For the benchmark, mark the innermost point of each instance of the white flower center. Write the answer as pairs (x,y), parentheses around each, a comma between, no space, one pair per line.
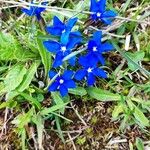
(63,48)
(64,31)
(98,14)
(61,81)
(89,70)
(94,49)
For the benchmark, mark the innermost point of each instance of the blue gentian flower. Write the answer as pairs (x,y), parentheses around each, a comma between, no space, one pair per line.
(89,70)
(35,10)
(63,30)
(98,8)
(61,50)
(96,47)
(62,83)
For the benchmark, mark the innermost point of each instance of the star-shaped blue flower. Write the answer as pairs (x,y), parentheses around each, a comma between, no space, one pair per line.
(35,10)
(61,50)
(96,47)
(98,8)
(62,83)
(64,47)
(90,70)
(64,30)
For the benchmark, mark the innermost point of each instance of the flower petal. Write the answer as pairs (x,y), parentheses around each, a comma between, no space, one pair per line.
(65,37)
(90,79)
(71,22)
(38,16)
(63,90)
(54,31)
(108,14)
(107,21)
(58,61)
(74,38)
(57,23)
(70,84)
(67,75)
(93,6)
(102,5)
(83,61)
(100,73)
(53,86)
(101,59)
(28,12)
(80,74)
(105,47)
(91,59)
(91,44)
(52,46)
(72,61)
(97,37)
(51,74)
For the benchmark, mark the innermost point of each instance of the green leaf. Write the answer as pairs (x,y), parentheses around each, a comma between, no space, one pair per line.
(14,77)
(40,130)
(2,88)
(23,119)
(59,128)
(137,57)
(139,144)
(11,49)
(102,95)
(78,91)
(126,5)
(117,110)
(46,111)
(138,114)
(129,59)
(23,139)
(31,99)
(58,100)
(9,104)
(28,77)
(130,104)
(45,56)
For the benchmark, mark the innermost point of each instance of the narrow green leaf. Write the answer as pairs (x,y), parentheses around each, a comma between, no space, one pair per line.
(126,5)
(23,139)
(28,77)
(59,129)
(138,114)
(31,99)
(14,77)
(60,116)
(137,57)
(45,56)
(128,58)
(117,110)
(139,144)
(40,130)
(46,111)
(78,91)
(102,95)
(11,49)
(58,100)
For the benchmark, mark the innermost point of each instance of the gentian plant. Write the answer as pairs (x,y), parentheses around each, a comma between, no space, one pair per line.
(68,41)
(69,44)
(35,10)
(99,12)
(63,82)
